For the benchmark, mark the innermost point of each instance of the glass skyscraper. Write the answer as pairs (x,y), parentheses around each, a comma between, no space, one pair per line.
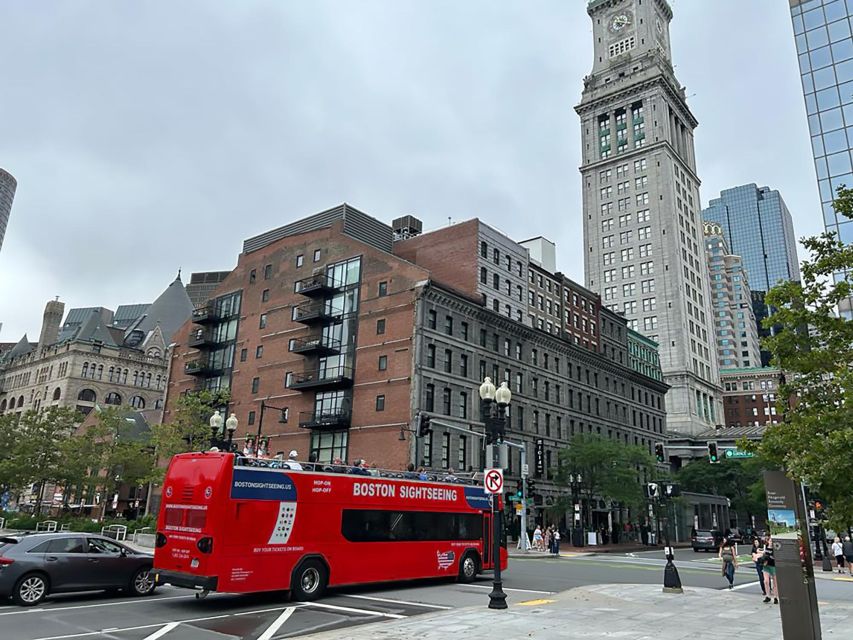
(822,29)
(757,226)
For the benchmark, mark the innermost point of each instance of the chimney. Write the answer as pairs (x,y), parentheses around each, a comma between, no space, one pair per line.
(51,321)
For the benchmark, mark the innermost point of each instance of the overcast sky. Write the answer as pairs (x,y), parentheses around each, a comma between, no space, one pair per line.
(152,136)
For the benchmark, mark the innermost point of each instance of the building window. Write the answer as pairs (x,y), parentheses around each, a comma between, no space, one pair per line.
(431,319)
(380,326)
(484,275)
(256,384)
(484,250)
(430,359)
(446,400)
(300,259)
(262,322)
(383,363)
(267,272)
(464,330)
(448,361)
(380,403)
(259,351)
(448,325)
(317,254)
(251,419)
(265,295)
(429,401)
(463,365)
(463,453)
(383,289)
(496,281)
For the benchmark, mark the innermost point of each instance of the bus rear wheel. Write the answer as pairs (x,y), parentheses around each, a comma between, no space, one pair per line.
(469,567)
(309,580)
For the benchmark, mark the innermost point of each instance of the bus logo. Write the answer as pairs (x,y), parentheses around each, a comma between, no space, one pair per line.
(445,559)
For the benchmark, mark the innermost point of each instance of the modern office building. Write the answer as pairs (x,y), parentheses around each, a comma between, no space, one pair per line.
(8,184)
(345,333)
(734,321)
(822,30)
(643,246)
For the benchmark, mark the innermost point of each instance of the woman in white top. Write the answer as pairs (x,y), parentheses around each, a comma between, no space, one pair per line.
(537,538)
(838,552)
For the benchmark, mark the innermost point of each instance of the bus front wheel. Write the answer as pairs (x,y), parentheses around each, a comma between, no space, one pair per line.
(309,580)
(469,567)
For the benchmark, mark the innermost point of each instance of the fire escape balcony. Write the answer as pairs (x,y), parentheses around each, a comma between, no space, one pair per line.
(206,314)
(325,419)
(316,313)
(316,345)
(318,285)
(322,378)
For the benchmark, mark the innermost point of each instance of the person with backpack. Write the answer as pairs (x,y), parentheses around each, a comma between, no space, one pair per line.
(729,557)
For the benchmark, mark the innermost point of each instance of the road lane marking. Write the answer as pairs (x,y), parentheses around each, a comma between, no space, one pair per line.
(270,630)
(160,632)
(482,586)
(745,585)
(89,606)
(533,603)
(393,601)
(369,612)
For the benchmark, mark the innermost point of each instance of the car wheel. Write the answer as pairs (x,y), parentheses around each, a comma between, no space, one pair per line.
(30,590)
(309,580)
(468,567)
(142,583)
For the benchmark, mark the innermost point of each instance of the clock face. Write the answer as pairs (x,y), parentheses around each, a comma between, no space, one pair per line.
(620,22)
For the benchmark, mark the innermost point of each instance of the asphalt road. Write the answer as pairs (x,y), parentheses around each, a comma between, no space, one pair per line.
(175,614)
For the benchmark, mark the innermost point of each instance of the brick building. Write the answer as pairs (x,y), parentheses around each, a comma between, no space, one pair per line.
(749,396)
(348,332)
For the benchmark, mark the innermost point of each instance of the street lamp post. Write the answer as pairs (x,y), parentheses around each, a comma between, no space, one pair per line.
(217,434)
(494,404)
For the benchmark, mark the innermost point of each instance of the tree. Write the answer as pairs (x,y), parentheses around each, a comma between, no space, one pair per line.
(738,480)
(814,347)
(190,430)
(609,470)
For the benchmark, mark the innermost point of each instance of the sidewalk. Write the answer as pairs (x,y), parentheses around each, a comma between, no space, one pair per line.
(626,547)
(632,612)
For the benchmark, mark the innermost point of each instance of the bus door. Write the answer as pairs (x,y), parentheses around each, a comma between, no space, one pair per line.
(488,531)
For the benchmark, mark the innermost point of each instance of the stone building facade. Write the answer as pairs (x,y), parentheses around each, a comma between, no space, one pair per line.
(643,246)
(345,337)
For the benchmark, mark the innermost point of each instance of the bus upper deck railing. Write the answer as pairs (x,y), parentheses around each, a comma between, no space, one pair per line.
(471,479)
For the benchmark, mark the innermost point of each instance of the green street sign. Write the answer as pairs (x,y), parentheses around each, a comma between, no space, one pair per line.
(736,454)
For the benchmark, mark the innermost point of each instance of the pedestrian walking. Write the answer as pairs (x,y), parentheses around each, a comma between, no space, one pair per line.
(769,571)
(757,559)
(555,542)
(838,552)
(537,538)
(546,539)
(847,548)
(728,555)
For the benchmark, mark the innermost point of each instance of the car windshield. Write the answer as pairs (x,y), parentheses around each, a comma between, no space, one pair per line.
(704,533)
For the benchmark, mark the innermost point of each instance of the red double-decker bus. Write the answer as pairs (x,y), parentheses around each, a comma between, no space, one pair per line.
(240,525)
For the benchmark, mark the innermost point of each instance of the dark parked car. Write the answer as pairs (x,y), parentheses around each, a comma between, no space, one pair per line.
(705,540)
(33,566)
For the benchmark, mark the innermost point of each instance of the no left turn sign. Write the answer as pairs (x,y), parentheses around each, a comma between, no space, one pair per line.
(493,481)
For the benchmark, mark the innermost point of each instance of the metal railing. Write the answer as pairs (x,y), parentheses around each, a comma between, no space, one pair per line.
(48,526)
(115,531)
(321,376)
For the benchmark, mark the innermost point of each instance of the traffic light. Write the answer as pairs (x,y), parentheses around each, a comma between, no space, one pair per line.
(712,453)
(423,428)
(660,456)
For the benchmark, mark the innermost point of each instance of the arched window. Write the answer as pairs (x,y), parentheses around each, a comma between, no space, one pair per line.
(3,405)
(87,395)
(154,352)
(158,382)
(100,372)
(20,402)
(158,403)
(112,370)
(135,378)
(148,380)
(137,402)
(56,394)
(124,377)
(85,371)
(112,398)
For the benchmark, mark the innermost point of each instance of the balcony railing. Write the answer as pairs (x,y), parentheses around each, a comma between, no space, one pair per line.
(200,367)
(201,338)
(325,377)
(205,314)
(315,313)
(317,285)
(328,419)
(318,345)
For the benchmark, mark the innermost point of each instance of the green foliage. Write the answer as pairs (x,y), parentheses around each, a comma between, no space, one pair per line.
(190,430)
(814,347)
(609,470)
(26,522)
(739,480)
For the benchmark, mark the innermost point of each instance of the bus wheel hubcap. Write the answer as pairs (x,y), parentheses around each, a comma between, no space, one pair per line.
(468,566)
(32,589)
(310,580)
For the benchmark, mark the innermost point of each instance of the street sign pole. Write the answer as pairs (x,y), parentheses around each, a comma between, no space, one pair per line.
(493,483)
(522,530)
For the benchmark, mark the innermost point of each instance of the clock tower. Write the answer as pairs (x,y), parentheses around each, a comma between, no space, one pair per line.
(643,243)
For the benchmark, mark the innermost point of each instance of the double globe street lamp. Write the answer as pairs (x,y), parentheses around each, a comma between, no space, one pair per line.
(494,404)
(217,434)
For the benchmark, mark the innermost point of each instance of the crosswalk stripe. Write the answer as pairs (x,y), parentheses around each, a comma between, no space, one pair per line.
(270,630)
